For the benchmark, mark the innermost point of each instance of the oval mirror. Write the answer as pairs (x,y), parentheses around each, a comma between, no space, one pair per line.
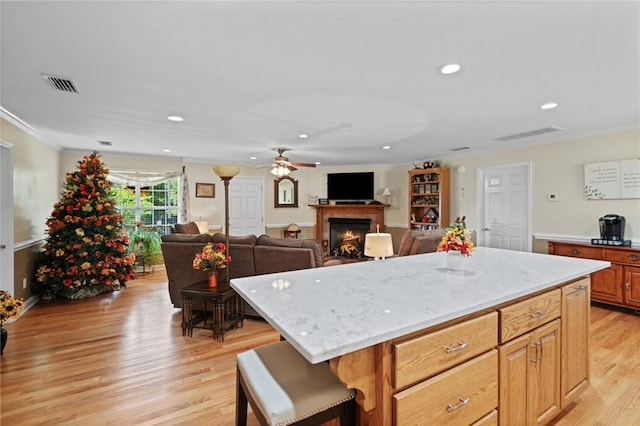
(286,192)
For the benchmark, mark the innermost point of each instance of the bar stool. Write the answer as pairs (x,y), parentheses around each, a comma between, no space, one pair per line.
(283,388)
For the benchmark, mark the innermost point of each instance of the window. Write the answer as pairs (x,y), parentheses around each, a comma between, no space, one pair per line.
(154,205)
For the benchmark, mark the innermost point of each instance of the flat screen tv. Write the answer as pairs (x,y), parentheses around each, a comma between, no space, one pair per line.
(355,186)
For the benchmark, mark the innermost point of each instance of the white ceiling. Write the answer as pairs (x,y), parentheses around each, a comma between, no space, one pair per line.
(249,76)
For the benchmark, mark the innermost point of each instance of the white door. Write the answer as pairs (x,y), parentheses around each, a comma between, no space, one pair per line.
(246,205)
(6,217)
(504,194)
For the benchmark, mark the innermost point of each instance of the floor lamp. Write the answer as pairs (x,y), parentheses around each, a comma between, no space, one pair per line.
(226,173)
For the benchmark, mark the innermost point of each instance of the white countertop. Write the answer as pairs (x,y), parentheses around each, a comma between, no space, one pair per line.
(330,311)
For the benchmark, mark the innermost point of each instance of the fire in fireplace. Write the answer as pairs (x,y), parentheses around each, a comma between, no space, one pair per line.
(346,236)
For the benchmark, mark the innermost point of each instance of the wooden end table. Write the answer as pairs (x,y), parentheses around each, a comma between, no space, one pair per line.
(222,309)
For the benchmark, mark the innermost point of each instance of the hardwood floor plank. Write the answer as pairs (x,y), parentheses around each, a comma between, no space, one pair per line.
(121,359)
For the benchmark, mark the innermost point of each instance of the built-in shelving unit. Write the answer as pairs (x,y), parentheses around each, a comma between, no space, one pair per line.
(429,198)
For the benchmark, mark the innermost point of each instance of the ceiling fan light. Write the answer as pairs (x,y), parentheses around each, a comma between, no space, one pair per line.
(280,171)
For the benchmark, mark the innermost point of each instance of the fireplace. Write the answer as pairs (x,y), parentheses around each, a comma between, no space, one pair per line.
(346,236)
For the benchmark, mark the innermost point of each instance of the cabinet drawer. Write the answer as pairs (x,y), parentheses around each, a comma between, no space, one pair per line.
(490,419)
(459,396)
(577,251)
(630,257)
(424,356)
(524,316)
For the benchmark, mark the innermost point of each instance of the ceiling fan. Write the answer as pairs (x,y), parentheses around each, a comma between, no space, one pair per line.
(282,166)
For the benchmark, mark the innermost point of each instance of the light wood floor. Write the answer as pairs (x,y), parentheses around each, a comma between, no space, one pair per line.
(120,359)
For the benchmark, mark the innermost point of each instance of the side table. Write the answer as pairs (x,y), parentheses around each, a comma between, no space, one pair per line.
(221,309)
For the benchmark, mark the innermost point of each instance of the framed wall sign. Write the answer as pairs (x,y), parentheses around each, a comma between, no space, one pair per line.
(205,190)
(612,180)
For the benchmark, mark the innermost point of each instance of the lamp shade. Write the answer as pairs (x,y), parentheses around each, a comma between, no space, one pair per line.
(226,170)
(378,245)
(386,191)
(203,226)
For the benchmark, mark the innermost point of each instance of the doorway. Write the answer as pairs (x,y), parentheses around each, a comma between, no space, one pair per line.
(246,205)
(504,206)
(6,216)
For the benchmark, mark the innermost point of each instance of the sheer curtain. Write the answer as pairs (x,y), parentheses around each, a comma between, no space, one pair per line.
(154,178)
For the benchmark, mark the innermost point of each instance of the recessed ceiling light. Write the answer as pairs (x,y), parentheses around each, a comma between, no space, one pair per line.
(386,147)
(175,118)
(549,105)
(303,136)
(449,69)
(253,158)
(166,150)
(317,163)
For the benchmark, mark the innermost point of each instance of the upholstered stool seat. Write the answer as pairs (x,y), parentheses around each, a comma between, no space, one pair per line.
(283,388)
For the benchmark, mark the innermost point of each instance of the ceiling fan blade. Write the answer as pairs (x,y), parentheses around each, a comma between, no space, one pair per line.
(293,169)
(303,164)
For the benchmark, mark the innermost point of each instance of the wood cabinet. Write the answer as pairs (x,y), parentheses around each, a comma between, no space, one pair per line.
(620,283)
(429,198)
(530,377)
(575,340)
(449,376)
(518,363)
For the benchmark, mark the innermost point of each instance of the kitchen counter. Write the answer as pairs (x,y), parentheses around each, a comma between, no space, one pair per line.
(332,311)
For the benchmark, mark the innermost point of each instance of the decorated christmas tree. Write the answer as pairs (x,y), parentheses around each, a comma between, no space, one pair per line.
(86,252)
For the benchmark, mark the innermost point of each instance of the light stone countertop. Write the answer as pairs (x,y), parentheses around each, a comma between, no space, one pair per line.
(330,311)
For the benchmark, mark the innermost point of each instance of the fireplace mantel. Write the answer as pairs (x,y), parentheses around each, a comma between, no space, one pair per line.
(324,211)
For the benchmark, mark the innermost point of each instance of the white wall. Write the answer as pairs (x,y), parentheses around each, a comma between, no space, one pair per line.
(557,168)
(312,182)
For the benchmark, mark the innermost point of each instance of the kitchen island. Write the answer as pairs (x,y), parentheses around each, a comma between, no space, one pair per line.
(376,323)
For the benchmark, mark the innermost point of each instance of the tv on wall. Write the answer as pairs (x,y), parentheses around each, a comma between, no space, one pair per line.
(355,186)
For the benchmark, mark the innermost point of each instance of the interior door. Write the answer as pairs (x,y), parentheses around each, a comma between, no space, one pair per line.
(246,205)
(6,217)
(505,207)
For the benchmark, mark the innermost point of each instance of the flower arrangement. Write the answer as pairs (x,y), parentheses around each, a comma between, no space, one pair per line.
(213,257)
(457,238)
(9,306)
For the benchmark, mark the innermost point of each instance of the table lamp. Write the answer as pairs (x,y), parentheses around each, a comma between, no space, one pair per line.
(386,193)
(378,245)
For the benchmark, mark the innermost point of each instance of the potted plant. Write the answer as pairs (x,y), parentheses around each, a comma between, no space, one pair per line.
(146,244)
(9,308)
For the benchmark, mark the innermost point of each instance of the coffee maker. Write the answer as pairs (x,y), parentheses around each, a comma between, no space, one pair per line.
(611,231)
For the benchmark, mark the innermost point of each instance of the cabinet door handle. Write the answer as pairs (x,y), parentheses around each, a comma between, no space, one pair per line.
(534,358)
(575,252)
(460,346)
(627,286)
(462,402)
(634,257)
(537,314)
(541,349)
(580,287)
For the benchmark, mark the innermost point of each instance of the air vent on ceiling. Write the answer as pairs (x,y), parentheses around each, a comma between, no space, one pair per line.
(529,134)
(105,143)
(460,148)
(63,84)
